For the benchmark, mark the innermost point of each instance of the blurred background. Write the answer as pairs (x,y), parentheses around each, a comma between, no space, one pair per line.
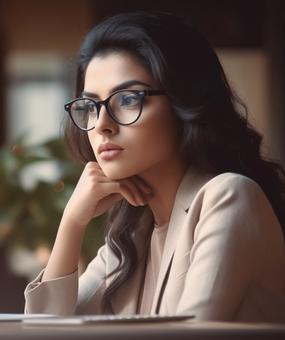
(39,41)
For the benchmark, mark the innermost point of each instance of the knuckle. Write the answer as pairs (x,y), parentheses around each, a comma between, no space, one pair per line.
(90,169)
(89,165)
(119,185)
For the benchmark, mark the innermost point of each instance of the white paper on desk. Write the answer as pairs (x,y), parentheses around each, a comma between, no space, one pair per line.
(84,319)
(20,317)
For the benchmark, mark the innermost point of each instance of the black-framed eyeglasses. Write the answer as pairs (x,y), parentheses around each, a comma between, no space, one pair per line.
(123,106)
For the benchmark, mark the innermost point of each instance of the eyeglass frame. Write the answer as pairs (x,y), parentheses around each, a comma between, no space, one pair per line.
(105,102)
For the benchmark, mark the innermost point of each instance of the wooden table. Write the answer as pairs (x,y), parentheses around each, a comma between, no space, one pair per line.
(139,331)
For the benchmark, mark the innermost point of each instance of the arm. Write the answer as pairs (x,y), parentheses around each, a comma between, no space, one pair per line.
(55,291)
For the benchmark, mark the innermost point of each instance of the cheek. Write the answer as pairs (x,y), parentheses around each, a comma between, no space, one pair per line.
(156,139)
(164,144)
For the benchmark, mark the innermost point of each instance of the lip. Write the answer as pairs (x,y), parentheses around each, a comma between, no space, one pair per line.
(108,150)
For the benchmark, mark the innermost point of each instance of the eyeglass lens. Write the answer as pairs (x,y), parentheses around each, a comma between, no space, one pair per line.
(124,107)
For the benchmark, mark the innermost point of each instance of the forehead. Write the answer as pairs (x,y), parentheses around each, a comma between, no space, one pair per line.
(107,71)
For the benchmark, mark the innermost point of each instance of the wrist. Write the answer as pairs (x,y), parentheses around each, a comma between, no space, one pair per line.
(68,221)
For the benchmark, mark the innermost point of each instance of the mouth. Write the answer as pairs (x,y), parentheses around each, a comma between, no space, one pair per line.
(108,151)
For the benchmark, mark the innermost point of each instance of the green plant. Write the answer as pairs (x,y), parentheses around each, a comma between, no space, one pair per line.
(29,216)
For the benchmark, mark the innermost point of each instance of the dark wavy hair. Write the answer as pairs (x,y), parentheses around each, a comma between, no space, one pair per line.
(215,133)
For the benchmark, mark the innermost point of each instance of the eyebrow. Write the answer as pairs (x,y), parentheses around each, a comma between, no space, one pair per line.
(121,86)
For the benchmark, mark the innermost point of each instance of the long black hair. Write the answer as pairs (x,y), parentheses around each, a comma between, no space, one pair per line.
(215,133)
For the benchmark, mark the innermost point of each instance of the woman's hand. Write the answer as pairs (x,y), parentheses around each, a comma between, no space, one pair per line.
(92,196)
(95,193)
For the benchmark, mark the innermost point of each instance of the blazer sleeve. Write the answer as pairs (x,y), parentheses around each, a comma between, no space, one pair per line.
(68,295)
(235,222)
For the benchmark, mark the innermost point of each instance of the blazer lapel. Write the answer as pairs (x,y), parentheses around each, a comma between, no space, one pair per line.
(176,219)
(189,186)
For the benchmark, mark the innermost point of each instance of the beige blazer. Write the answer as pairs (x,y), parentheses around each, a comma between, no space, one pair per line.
(223,259)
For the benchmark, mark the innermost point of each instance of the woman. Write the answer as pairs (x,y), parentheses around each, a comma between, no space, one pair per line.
(195,215)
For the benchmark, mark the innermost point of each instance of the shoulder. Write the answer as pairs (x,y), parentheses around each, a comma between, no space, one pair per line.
(233,192)
(234,206)
(231,178)
(231,183)
(202,186)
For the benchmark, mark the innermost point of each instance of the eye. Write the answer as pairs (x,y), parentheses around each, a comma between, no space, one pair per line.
(90,107)
(83,106)
(128,99)
(78,107)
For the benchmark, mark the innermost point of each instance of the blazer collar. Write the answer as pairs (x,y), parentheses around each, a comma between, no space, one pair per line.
(190,184)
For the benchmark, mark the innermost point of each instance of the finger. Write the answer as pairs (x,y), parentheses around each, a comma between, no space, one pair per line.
(142,185)
(95,173)
(120,188)
(117,197)
(103,179)
(107,202)
(94,165)
(135,190)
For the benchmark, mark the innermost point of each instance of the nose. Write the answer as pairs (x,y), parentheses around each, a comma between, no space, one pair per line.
(104,123)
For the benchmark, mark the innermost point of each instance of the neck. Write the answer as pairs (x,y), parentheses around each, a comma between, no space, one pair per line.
(164,181)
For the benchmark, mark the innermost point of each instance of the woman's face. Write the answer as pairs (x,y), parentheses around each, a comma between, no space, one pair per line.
(150,143)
